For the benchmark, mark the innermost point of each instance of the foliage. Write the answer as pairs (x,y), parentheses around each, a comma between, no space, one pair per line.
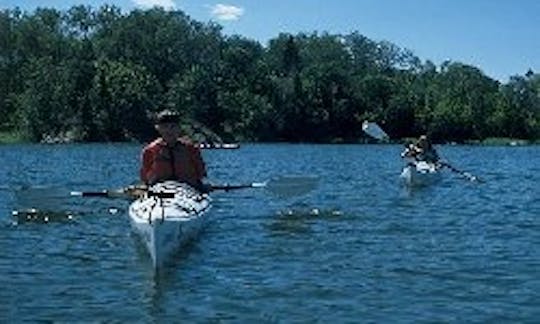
(100,74)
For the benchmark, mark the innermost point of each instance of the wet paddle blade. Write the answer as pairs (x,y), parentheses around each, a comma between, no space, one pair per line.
(291,186)
(373,130)
(41,197)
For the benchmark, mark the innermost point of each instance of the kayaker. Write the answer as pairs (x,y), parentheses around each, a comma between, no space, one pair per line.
(422,150)
(171,157)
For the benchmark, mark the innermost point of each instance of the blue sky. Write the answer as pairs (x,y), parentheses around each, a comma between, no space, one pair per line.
(501,37)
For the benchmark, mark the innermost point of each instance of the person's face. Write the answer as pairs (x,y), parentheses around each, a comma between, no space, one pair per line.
(169,131)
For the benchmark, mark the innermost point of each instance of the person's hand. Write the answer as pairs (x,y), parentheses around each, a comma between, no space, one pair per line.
(136,190)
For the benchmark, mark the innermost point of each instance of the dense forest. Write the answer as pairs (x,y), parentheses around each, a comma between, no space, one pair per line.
(99,75)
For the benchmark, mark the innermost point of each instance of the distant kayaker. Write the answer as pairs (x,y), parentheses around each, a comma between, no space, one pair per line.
(422,150)
(171,157)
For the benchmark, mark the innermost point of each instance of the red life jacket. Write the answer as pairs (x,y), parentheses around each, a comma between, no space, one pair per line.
(181,162)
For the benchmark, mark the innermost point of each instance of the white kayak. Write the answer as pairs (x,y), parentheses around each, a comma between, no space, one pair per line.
(420,173)
(167,217)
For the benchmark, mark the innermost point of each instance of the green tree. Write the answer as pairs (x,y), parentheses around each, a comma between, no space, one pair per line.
(43,107)
(124,95)
(518,113)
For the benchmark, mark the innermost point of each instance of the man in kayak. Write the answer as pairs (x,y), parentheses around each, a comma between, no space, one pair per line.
(422,150)
(171,157)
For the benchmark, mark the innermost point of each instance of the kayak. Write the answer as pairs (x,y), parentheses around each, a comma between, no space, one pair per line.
(167,217)
(420,173)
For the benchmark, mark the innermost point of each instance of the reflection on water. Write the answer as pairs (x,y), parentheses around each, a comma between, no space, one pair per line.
(299,219)
(36,216)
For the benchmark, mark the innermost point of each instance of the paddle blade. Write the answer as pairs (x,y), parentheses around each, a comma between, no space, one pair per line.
(373,130)
(285,186)
(291,186)
(42,197)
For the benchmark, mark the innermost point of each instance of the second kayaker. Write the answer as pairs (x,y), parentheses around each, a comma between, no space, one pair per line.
(422,150)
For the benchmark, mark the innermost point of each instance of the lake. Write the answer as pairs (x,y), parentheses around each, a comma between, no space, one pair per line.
(360,247)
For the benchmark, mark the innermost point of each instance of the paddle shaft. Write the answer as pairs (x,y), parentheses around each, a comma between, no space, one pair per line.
(235,187)
(104,193)
(122,194)
(467,175)
(281,186)
(127,194)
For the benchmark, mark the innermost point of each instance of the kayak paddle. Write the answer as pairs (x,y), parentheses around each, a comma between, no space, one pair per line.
(285,186)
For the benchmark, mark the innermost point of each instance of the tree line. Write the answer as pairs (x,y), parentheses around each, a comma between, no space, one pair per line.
(100,74)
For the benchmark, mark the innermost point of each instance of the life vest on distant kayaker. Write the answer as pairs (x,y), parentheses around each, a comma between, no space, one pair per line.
(181,162)
(429,155)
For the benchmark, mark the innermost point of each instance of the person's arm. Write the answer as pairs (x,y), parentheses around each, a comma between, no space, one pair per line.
(146,165)
(409,152)
(405,153)
(436,156)
(198,162)
(200,169)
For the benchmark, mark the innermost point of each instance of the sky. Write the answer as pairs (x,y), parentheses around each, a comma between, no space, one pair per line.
(501,37)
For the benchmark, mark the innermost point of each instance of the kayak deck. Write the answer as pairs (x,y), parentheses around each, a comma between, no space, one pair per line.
(420,173)
(167,224)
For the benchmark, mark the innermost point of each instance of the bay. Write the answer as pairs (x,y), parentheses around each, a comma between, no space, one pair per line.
(359,248)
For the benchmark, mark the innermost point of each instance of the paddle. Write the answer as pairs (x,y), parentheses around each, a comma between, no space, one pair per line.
(284,186)
(464,174)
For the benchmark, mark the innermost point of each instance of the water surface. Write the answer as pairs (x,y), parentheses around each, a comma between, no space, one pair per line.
(358,248)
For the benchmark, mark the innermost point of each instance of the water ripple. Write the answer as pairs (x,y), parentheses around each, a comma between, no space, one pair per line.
(360,247)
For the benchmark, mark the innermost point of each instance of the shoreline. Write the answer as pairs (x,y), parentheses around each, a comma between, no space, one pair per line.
(7,138)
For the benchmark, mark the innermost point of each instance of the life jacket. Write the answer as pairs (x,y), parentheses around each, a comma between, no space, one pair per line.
(429,155)
(181,162)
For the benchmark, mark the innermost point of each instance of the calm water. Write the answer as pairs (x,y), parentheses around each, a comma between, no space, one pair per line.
(359,248)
